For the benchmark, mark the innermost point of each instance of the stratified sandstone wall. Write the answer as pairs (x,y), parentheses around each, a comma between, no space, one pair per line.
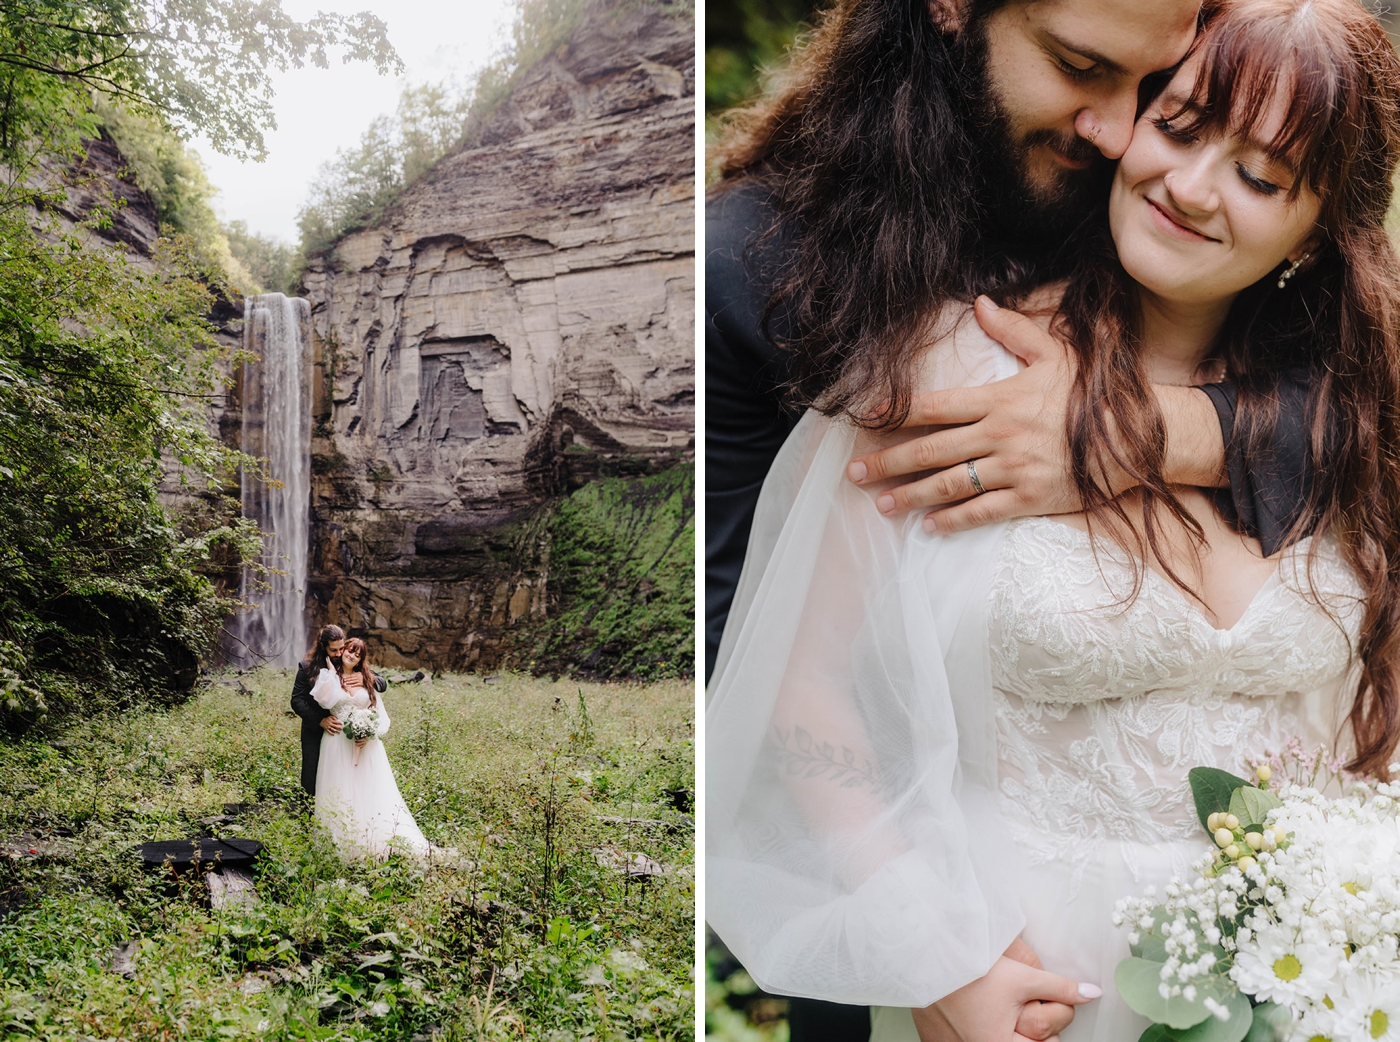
(521,322)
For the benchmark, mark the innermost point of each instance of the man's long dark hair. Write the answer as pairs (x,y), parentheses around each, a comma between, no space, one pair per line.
(873,153)
(321,651)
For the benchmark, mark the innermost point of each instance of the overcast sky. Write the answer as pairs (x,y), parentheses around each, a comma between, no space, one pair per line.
(320,110)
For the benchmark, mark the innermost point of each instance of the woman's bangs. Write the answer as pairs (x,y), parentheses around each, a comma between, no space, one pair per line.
(1250,65)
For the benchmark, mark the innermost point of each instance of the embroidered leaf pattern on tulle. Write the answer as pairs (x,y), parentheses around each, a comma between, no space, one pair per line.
(799,755)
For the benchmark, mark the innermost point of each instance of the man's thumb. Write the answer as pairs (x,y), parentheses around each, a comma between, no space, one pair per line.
(1012,330)
(1051,987)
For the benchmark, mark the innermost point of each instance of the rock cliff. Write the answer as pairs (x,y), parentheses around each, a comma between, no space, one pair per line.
(520,324)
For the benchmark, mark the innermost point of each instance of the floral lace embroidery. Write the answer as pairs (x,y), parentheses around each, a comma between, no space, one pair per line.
(1102,708)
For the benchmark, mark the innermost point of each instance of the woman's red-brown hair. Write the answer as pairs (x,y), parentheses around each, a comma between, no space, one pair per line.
(1335,325)
(356,646)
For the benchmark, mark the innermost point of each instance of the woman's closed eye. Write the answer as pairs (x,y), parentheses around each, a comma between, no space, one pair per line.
(1168,129)
(1257,183)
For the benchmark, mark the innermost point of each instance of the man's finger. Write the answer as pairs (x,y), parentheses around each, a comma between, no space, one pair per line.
(955,405)
(952,485)
(930,452)
(1041,1020)
(1015,332)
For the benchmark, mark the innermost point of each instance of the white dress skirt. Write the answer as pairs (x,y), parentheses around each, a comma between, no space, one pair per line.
(919,747)
(359,804)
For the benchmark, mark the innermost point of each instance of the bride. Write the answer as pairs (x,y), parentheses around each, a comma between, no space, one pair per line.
(359,803)
(932,756)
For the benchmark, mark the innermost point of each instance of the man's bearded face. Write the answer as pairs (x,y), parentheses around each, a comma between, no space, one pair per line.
(1054,89)
(1029,195)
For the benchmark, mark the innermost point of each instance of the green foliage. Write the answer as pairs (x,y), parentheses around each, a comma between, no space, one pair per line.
(268,261)
(1138,980)
(622,572)
(356,950)
(1252,806)
(172,174)
(1212,789)
(199,65)
(104,369)
(744,37)
(354,189)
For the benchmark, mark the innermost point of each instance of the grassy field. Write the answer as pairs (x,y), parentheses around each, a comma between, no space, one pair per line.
(544,787)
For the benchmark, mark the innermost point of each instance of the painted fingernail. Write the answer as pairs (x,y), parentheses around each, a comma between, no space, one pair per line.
(885,503)
(1091,991)
(930,525)
(856,472)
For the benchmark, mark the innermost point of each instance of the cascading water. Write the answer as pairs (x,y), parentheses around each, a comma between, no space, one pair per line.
(276,425)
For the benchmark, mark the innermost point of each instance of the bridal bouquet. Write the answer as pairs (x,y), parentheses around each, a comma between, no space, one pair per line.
(360,723)
(1291,930)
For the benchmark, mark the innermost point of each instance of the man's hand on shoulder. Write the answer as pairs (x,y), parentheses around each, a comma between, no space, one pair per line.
(1013,431)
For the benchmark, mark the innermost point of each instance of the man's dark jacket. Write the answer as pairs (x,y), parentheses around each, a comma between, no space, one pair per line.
(311,715)
(747,419)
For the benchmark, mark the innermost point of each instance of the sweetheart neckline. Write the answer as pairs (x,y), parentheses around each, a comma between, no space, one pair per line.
(1271,582)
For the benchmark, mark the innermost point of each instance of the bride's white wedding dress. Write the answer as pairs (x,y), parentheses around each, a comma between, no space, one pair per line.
(920,747)
(359,805)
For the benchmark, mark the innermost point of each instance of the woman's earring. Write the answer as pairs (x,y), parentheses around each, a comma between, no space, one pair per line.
(1292,269)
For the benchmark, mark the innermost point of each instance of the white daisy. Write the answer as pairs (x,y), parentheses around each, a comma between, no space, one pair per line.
(1277,964)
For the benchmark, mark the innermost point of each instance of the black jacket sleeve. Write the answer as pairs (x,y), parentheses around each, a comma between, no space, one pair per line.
(303,704)
(746,418)
(380,684)
(1269,484)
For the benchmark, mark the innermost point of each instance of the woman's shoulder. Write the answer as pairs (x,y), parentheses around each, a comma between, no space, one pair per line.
(957,352)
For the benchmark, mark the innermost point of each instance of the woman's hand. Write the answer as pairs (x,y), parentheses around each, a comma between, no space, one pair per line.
(361,743)
(1015,1002)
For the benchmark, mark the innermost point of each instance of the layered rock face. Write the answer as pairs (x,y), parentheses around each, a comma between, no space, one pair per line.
(521,323)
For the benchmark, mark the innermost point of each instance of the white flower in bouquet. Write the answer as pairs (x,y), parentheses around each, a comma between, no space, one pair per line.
(359,724)
(1292,929)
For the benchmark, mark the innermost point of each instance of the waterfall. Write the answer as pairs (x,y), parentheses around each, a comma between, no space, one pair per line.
(276,402)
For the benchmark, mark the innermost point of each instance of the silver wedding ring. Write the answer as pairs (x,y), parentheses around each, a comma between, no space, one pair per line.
(976,481)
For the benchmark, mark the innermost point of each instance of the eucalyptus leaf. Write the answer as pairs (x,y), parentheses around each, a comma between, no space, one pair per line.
(1212,788)
(1271,1023)
(1152,946)
(1156,1033)
(1213,1029)
(1138,980)
(1252,805)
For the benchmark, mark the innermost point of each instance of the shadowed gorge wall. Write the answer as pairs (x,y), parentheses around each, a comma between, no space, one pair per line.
(518,328)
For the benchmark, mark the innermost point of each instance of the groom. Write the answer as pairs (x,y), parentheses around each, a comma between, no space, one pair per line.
(920,151)
(314,719)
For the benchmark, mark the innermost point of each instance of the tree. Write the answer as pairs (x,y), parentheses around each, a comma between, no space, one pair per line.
(201,65)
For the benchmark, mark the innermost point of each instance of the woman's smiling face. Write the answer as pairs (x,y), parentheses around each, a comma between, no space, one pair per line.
(1196,219)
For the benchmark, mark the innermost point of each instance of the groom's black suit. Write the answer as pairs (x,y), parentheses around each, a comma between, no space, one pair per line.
(311,715)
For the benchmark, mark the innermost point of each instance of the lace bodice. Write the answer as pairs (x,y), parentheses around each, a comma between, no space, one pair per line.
(1102,707)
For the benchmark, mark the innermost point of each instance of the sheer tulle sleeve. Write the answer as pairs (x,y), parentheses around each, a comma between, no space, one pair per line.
(854,851)
(382,724)
(327,690)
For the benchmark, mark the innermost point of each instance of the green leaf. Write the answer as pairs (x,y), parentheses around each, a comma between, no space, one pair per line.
(1214,1030)
(1156,1033)
(1152,946)
(1138,980)
(1271,1023)
(1212,788)
(1252,805)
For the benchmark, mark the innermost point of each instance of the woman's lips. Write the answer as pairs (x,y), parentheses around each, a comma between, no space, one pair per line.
(1173,227)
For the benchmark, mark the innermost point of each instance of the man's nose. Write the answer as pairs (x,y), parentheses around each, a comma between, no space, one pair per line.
(1108,125)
